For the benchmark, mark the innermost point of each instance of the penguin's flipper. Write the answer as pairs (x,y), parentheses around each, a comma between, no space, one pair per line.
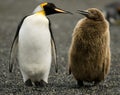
(54,55)
(13,54)
(53,48)
(107,62)
(14,47)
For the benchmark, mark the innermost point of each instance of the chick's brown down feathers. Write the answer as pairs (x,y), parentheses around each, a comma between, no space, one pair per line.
(89,53)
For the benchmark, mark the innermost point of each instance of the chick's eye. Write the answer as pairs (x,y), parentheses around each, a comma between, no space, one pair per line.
(95,13)
(92,12)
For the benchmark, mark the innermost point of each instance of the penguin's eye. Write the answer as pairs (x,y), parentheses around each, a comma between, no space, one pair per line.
(94,12)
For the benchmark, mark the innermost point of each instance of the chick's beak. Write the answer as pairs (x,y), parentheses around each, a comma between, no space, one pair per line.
(85,13)
(62,11)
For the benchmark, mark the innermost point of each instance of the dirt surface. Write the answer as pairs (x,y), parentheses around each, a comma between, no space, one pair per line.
(12,11)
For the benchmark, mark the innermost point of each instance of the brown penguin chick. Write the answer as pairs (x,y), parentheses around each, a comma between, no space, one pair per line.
(89,54)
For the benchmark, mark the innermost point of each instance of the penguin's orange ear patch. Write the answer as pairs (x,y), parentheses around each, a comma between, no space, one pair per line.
(41,13)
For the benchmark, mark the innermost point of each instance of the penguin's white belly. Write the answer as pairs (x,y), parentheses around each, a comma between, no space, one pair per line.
(35,49)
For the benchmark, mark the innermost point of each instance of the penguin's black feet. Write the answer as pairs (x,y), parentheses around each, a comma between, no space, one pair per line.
(28,82)
(40,83)
(80,83)
(97,81)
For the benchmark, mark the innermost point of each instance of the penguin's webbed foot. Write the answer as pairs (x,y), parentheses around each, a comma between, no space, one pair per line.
(28,82)
(40,83)
(97,81)
(80,83)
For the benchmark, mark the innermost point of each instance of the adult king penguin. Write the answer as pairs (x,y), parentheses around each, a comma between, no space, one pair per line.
(35,44)
(89,54)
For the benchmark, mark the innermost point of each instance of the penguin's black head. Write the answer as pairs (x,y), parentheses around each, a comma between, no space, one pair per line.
(93,14)
(50,8)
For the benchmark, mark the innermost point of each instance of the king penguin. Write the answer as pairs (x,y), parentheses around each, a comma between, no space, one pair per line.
(89,53)
(34,45)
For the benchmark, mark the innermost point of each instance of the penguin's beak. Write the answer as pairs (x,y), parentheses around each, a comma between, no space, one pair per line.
(58,10)
(85,13)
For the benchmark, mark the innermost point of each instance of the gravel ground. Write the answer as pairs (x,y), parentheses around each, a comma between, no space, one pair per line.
(11,12)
